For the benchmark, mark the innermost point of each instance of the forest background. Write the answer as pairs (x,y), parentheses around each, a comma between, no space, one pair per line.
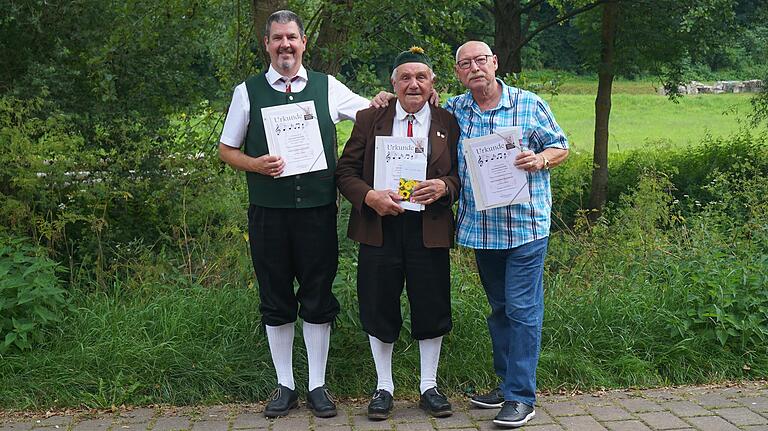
(124,268)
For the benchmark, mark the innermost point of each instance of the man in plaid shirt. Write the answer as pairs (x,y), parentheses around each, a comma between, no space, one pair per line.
(510,242)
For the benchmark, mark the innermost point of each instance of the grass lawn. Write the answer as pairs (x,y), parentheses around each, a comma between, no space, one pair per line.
(638,120)
(588,86)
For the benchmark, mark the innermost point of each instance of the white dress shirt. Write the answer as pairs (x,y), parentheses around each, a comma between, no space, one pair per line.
(420,125)
(343,104)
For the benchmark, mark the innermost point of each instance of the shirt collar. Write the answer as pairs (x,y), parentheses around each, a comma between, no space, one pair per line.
(504,102)
(421,116)
(273,76)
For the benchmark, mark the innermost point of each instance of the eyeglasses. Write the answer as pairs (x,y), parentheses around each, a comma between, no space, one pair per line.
(479,60)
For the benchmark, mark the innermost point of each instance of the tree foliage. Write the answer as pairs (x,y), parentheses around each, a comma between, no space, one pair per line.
(107,106)
(107,59)
(382,30)
(662,37)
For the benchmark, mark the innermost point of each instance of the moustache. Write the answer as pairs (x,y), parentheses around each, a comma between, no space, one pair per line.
(286,51)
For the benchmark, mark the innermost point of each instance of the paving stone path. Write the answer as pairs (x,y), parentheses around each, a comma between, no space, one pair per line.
(706,408)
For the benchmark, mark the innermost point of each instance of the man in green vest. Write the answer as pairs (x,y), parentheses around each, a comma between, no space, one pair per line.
(291,219)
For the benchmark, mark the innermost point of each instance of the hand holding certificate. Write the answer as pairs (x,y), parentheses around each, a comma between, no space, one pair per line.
(400,164)
(293,133)
(495,180)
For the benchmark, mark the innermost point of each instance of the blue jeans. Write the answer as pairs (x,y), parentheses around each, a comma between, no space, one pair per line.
(514,283)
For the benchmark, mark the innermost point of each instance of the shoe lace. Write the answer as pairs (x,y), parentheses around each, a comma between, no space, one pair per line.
(513,405)
(328,394)
(376,394)
(275,394)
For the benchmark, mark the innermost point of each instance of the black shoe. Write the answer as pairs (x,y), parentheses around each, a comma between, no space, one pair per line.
(321,403)
(514,414)
(281,402)
(491,400)
(381,404)
(435,403)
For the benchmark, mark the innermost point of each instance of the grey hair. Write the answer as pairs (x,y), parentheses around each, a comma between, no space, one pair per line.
(284,17)
(473,41)
(394,73)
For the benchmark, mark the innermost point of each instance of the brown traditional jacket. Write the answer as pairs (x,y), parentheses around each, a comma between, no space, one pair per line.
(354,175)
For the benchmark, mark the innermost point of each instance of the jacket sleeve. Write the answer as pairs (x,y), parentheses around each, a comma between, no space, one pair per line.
(349,169)
(451,179)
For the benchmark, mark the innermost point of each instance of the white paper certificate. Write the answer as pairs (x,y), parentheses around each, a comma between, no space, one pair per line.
(495,180)
(293,133)
(399,164)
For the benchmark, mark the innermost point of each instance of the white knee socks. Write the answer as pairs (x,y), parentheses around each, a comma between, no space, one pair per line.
(317,338)
(281,347)
(430,356)
(382,357)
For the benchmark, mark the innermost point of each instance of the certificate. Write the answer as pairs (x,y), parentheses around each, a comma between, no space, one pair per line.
(400,164)
(293,133)
(495,180)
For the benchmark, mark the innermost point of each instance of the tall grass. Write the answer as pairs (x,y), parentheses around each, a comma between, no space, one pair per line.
(661,292)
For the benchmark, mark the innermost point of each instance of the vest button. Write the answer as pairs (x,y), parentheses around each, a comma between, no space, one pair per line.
(298,199)
(298,187)
(298,177)
(290,97)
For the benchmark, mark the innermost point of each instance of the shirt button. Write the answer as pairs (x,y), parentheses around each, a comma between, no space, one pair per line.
(298,187)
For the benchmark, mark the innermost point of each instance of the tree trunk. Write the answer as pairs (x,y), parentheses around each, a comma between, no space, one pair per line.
(261,10)
(599,191)
(331,38)
(508,35)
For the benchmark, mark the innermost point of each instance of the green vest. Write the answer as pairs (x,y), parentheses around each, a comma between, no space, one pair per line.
(298,191)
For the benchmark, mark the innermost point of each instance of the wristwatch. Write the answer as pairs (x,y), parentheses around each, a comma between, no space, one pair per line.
(546,162)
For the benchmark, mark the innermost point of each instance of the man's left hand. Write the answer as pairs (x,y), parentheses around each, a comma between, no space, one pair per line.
(382,99)
(429,191)
(529,161)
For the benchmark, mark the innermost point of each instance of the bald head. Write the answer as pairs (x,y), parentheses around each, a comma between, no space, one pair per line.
(476,68)
(476,46)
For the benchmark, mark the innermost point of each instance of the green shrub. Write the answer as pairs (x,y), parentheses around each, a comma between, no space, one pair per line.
(30,296)
(692,171)
(90,196)
(663,290)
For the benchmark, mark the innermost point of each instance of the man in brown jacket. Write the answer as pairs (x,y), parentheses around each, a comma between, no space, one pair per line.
(398,246)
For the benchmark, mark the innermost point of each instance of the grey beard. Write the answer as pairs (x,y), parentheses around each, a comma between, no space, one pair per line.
(286,65)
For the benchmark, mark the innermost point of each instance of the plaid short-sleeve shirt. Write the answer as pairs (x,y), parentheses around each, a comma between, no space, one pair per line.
(512,225)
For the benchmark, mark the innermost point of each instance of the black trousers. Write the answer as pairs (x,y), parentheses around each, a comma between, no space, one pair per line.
(381,272)
(294,243)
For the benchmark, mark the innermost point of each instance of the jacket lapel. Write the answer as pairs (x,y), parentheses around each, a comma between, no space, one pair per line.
(437,137)
(382,123)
